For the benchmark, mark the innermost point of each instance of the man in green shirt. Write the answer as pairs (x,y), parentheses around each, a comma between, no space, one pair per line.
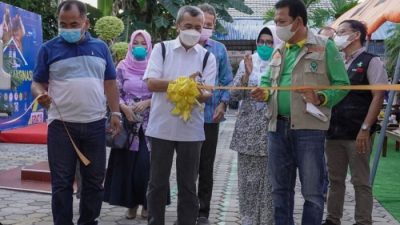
(296,137)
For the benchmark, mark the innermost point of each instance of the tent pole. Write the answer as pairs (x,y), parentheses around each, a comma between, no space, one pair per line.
(382,134)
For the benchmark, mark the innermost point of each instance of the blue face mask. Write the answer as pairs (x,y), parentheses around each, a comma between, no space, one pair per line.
(139,52)
(264,52)
(70,35)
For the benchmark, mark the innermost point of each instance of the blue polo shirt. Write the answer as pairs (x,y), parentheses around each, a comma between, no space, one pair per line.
(75,74)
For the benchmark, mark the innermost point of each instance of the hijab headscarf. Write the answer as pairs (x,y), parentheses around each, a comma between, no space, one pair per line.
(261,66)
(277,41)
(132,66)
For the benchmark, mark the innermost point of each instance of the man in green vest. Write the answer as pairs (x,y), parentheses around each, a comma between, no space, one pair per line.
(299,119)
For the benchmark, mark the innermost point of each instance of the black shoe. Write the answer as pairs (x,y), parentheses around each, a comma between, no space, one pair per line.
(328,222)
(203,221)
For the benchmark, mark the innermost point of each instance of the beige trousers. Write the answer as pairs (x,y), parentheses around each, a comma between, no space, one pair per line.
(340,155)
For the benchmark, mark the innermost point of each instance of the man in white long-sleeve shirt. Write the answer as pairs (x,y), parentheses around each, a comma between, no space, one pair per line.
(170,60)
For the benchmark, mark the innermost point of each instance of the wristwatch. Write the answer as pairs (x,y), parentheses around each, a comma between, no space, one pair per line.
(118,114)
(365,127)
(321,99)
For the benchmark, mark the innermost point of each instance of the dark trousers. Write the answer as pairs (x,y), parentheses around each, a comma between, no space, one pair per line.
(90,139)
(187,166)
(206,168)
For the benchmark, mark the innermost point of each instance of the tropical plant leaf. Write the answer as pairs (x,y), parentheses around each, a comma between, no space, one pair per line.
(392,45)
(142,3)
(171,6)
(224,15)
(159,15)
(93,14)
(344,8)
(161,21)
(240,6)
(179,2)
(219,28)
(269,15)
(308,3)
(319,17)
(105,6)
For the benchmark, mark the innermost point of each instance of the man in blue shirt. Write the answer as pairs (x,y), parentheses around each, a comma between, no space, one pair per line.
(73,76)
(213,112)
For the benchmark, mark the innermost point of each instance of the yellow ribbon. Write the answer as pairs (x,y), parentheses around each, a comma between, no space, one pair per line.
(183,92)
(82,157)
(376,87)
(23,114)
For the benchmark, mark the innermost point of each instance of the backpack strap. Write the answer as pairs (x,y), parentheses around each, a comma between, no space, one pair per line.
(163,50)
(205,60)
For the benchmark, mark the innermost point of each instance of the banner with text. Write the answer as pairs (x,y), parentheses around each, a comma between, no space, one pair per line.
(21,36)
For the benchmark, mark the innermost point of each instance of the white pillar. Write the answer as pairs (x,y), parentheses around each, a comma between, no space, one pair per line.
(5,78)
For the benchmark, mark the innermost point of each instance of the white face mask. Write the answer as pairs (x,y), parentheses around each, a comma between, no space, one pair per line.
(342,41)
(285,33)
(189,37)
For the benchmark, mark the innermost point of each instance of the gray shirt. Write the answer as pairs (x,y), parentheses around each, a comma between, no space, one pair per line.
(376,72)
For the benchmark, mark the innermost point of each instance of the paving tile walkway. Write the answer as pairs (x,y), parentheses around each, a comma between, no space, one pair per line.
(22,208)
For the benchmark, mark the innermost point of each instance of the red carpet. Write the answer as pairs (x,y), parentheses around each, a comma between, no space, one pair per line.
(33,134)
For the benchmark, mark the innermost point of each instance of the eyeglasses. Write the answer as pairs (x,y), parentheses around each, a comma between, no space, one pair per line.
(343,32)
(266,42)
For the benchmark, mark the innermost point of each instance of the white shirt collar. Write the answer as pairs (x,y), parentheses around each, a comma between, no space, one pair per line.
(177,44)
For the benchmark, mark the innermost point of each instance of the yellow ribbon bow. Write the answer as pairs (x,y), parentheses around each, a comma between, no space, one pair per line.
(183,92)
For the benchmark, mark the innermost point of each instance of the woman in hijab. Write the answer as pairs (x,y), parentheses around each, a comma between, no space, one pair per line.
(128,169)
(250,136)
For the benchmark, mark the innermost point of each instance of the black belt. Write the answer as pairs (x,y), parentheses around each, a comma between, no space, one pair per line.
(285,118)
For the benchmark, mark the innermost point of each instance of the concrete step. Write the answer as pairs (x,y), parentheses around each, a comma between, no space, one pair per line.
(36,172)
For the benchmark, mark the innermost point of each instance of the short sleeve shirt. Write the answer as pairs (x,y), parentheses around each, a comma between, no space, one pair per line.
(376,73)
(178,62)
(75,74)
